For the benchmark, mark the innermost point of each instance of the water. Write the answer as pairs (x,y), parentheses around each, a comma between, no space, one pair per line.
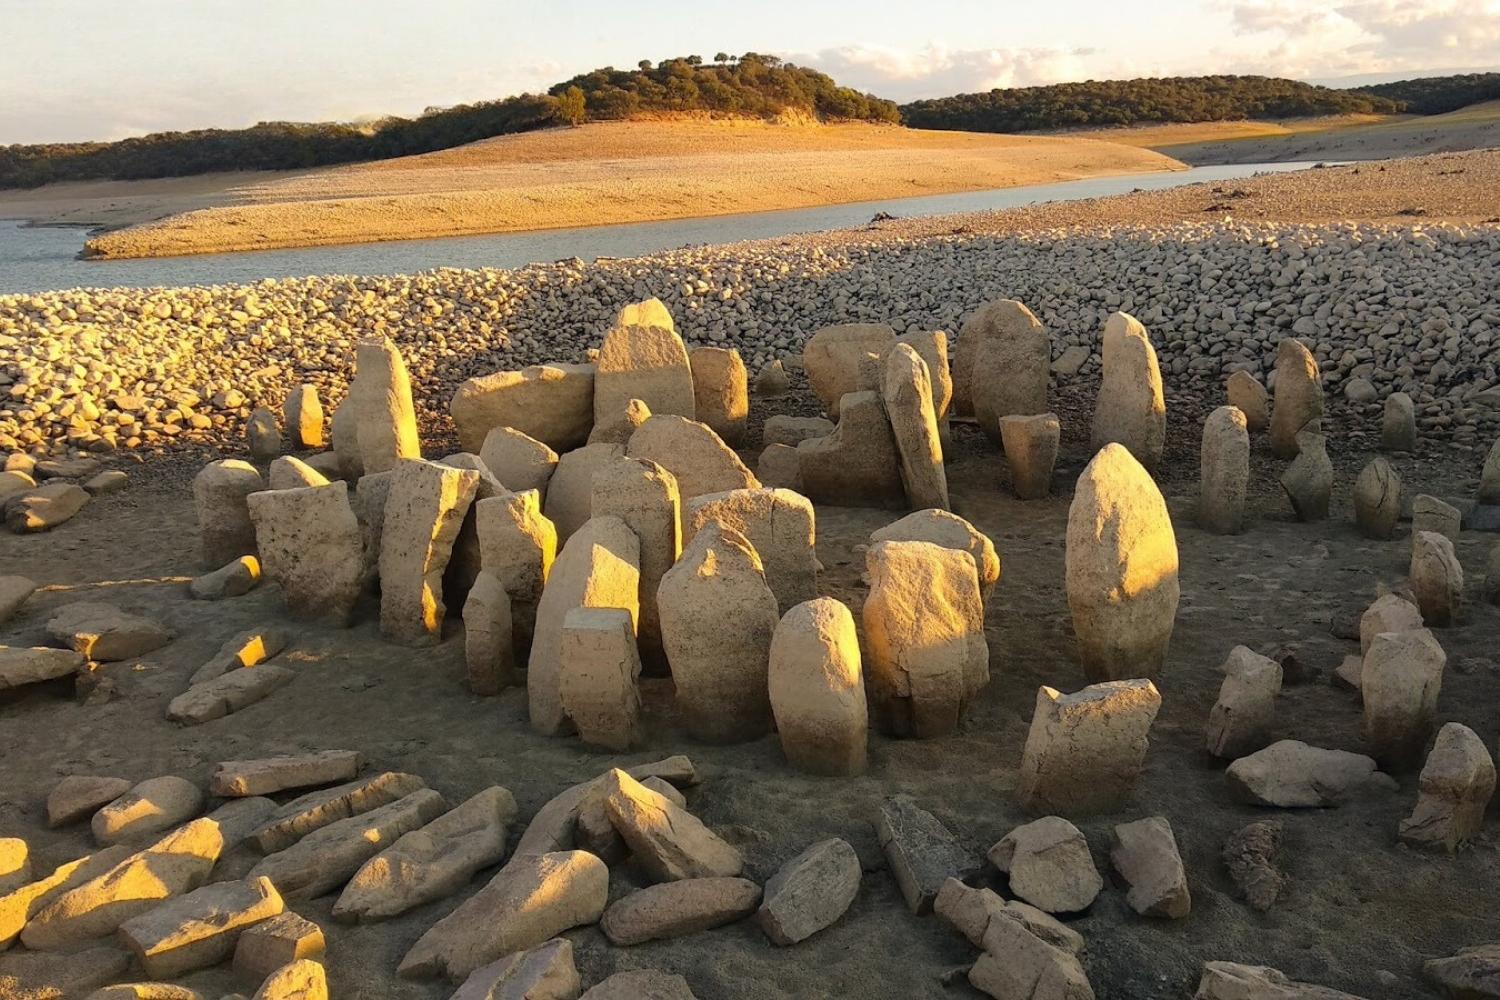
(40,258)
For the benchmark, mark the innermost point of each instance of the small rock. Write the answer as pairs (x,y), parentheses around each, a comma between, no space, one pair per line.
(675,909)
(1145,854)
(103,632)
(231,580)
(279,941)
(1049,865)
(1250,855)
(810,892)
(80,795)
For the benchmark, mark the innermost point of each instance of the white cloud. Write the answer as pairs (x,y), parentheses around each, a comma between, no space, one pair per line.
(936,71)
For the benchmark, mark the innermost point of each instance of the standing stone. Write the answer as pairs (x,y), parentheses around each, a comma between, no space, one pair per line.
(1436,579)
(644,496)
(1399,681)
(1428,513)
(921,851)
(1489,476)
(225,531)
(424,511)
(1308,481)
(1145,854)
(465,555)
(907,392)
(932,347)
(570,491)
(721,685)
(778,523)
(1130,409)
(1049,865)
(1456,784)
(924,632)
(693,453)
(810,892)
(1299,396)
(370,495)
(1121,568)
(1240,721)
(779,468)
(1490,589)
(1388,613)
(517,546)
(599,567)
(831,358)
(1030,444)
(387,420)
(1085,750)
(773,380)
(262,435)
(721,391)
(1377,499)
(951,532)
(1010,366)
(343,430)
(303,416)
(489,646)
(1224,463)
(310,544)
(518,461)
(1398,427)
(643,358)
(619,428)
(817,689)
(552,403)
(597,682)
(858,464)
(288,472)
(1246,394)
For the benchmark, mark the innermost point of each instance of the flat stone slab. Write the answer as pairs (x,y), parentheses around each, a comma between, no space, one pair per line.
(103,632)
(1292,775)
(21,665)
(810,892)
(19,906)
(14,590)
(675,909)
(281,940)
(667,842)
(227,694)
(922,852)
(80,795)
(199,929)
(268,775)
(316,810)
(151,807)
(247,649)
(545,972)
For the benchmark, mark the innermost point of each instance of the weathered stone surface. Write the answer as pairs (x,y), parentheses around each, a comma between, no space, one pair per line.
(676,909)
(517,545)
(247,649)
(545,972)
(21,904)
(645,496)
(1030,443)
(533,898)
(1084,751)
(103,632)
(598,568)
(597,682)
(44,507)
(1377,499)
(1457,782)
(106,482)
(200,928)
(1389,613)
(693,453)
(1470,974)
(15,864)
(489,644)
(237,819)
(570,491)
(343,433)
(154,805)
(1398,424)
(1250,855)
(553,403)
(424,512)
(831,358)
(1436,578)
(1121,568)
(303,415)
(262,435)
(80,795)
(666,841)
(386,421)
(922,852)
(789,430)
(1244,392)
(268,775)
(1290,774)
(1145,854)
(721,688)
(817,689)
(45,976)
(906,390)
(300,980)
(327,464)
(940,527)
(1018,963)
(969,911)
(621,424)
(1399,683)
(14,590)
(227,694)
(721,391)
(557,825)
(1308,480)
(1002,364)
(810,892)
(520,462)
(276,942)
(640,984)
(1299,396)
(1224,471)
(1428,513)
(932,347)
(230,580)
(1489,590)
(1130,409)
(924,635)
(781,526)
(432,862)
(22,665)
(1240,721)
(288,472)
(1232,981)
(858,464)
(1049,865)
(779,468)
(310,544)
(642,357)
(318,809)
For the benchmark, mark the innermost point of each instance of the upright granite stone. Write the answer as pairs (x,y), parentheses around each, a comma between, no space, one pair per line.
(1011,364)
(817,689)
(858,464)
(1428,513)
(831,358)
(489,645)
(619,428)
(343,433)
(1084,751)
(599,567)
(1224,471)
(310,544)
(466,557)
(780,525)
(932,347)
(1130,409)
(387,420)
(1436,579)
(1308,480)
(1388,613)
(721,391)
(517,545)
(1489,476)
(1240,721)
(220,490)
(553,403)
(907,392)
(1299,396)
(643,358)
(1455,788)
(1377,499)
(941,527)
(424,511)
(597,683)
(1245,393)
(1121,568)
(262,436)
(1398,424)
(1399,683)
(1030,444)
(924,632)
(288,472)
(691,452)
(778,468)
(303,415)
(644,495)
(520,462)
(570,491)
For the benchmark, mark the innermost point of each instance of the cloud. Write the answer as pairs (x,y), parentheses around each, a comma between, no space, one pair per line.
(936,71)
(1369,36)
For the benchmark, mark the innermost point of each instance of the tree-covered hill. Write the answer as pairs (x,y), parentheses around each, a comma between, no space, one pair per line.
(1436,95)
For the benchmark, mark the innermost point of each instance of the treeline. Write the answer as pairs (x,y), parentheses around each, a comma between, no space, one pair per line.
(1132,102)
(751,84)
(1436,95)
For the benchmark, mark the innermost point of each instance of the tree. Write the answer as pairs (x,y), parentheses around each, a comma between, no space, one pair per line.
(645,65)
(694,60)
(571,106)
(721,58)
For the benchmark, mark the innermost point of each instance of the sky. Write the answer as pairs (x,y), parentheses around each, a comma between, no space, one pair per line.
(107,69)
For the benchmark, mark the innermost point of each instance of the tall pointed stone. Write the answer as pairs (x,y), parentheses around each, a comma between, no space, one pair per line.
(721,391)
(1377,498)
(1130,409)
(907,392)
(423,514)
(1224,471)
(1299,396)
(1011,363)
(643,358)
(644,496)
(817,689)
(387,419)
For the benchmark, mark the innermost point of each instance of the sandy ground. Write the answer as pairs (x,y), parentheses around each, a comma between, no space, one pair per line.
(594,175)
(1192,133)
(1361,912)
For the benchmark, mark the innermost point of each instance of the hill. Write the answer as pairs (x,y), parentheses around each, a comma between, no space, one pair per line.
(1435,95)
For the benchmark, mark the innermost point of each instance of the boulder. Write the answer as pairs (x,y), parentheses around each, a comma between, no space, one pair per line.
(386,420)
(104,633)
(1145,854)
(520,462)
(80,795)
(778,523)
(1428,513)
(1436,578)
(303,415)
(288,472)
(517,545)
(1398,423)
(310,544)
(220,494)
(199,929)
(1121,568)
(227,694)
(1017,963)
(1130,409)
(721,391)
(21,665)
(644,495)
(1030,443)
(14,592)
(906,390)
(233,579)
(105,483)
(1299,396)
(299,980)
(950,531)
(553,403)
(570,491)
(247,649)
(1224,471)
(1002,364)
(810,892)
(262,435)
(921,851)
(316,810)
(817,689)
(489,637)
(1231,981)
(693,453)
(667,842)
(277,942)
(1455,788)
(1471,974)
(151,807)
(858,464)
(545,972)
(1084,751)
(557,826)
(44,507)
(269,775)
(642,357)
(1308,480)
(970,912)
(1377,499)
(45,976)
(676,909)
(597,682)
(1240,721)
(831,358)
(1292,775)
(1049,865)
(1244,392)
(1399,683)
(424,512)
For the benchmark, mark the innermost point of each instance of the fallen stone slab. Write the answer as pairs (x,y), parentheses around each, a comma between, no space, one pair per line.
(233,579)
(227,694)
(154,805)
(1145,854)
(810,892)
(46,976)
(676,909)
(555,825)
(269,775)
(276,942)
(43,507)
(969,911)
(667,842)
(316,810)
(1232,981)
(1470,974)
(640,984)
(432,862)
(103,632)
(199,929)
(922,852)
(80,795)
(532,899)
(545,972)
(146,991)
(21,904)
(1292,775)
(15,864)
(1018,963)
(247,649)
(299,980)
(20,665)
(1049,865)
(239,818)
(1250,855)
(14,591)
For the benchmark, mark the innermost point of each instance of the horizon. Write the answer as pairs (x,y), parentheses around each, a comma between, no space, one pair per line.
(221,65)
